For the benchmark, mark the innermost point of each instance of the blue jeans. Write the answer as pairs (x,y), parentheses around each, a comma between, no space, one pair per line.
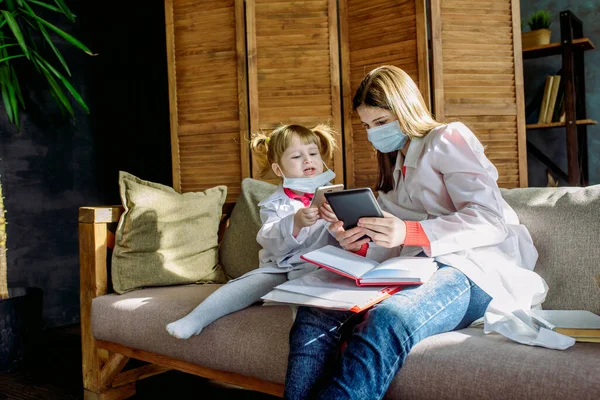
(378,340)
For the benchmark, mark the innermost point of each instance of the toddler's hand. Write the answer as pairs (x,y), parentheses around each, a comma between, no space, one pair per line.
(305,217)
(327,213)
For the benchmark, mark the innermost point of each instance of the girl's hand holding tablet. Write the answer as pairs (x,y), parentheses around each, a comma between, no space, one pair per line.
(389,231)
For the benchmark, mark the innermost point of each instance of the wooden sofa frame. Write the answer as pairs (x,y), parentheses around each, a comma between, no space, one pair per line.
(102,361)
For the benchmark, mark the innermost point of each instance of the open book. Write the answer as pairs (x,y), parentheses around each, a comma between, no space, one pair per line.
(394,271)
(324,289)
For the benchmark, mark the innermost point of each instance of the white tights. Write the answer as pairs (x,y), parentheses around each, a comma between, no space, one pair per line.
(229,298)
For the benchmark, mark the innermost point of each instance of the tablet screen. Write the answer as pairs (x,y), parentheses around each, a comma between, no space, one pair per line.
(352,204)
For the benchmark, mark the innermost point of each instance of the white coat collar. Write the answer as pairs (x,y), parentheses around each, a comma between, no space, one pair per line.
(276,195)
(414,152)
(415,148)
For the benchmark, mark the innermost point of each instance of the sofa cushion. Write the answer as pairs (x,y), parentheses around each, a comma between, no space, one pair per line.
(468,364)
(462,365)
(564,224)
(165,237)
(252,342)
(238,252)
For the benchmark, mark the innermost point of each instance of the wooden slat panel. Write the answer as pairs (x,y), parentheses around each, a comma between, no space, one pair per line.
(374,33)
(478,78)
(207,85)
(293,68)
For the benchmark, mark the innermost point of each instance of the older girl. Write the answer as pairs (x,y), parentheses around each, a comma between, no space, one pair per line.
(439,195)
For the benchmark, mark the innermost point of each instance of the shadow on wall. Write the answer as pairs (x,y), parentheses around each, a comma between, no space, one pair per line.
(55,165)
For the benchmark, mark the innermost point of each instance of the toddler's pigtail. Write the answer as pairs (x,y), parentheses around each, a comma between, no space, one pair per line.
(259,144)
(326,135)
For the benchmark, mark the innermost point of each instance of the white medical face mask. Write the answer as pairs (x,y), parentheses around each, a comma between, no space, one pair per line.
(308,185)
(387,138)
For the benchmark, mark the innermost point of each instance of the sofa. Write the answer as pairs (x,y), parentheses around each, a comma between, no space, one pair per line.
(249,348)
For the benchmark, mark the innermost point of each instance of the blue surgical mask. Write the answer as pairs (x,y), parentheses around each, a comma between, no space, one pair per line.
(308,185)
(387,138)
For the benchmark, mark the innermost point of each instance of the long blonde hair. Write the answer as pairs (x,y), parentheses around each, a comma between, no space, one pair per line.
(392,89)
(268,148)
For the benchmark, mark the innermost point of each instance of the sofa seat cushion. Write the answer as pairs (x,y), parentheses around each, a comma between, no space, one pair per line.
(252,342)
(469,364)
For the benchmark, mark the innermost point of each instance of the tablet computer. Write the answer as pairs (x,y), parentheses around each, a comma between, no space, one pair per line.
(352,204)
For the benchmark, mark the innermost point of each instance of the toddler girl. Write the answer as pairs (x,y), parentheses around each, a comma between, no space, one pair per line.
(290,227)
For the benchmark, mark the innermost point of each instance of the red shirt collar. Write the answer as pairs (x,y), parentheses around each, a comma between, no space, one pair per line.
(305,199)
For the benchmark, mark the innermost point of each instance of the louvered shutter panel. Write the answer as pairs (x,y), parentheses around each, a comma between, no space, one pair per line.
(293,67)
(478,78)
(374,33)
(207,94)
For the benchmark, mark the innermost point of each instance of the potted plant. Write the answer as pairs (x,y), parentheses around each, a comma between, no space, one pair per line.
(27,39)
(539,25)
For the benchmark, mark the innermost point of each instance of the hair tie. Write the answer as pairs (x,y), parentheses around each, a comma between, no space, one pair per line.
(267,140)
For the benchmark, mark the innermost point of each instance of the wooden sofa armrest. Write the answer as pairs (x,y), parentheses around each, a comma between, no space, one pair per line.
(93,277)
(100,215)
(101,367)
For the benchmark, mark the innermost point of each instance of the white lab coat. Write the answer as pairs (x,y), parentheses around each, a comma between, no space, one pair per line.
(450,187)
(281,251)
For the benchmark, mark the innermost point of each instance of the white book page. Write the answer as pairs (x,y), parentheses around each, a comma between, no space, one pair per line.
(574,319)
(281,297)
(331,286)
(342,260)
(410,269)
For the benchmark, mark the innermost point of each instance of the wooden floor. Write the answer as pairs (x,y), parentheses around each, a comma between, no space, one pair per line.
(56,375)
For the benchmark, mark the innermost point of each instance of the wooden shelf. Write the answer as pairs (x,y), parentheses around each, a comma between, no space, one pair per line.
(559,124)
(555,48)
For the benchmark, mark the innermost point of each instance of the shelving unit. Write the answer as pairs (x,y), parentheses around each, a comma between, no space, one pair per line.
(572,46)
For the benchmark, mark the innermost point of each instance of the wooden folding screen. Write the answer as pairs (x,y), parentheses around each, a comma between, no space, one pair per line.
(207,94)
(293,66)
(373,33)
(478,77)
(238,66)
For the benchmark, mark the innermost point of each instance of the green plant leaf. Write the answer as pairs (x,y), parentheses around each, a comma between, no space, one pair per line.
(65,82)
(7,45)
(540,20)
(61,107)
(13,103)
(56,88)
(49,41)
(56,51)
(9,95)
(17,86)
(61,33)
(33,45)
(10,57)
(10,4)
(14,27)
(5,98)
(61,4)
(31,25)
(46,5)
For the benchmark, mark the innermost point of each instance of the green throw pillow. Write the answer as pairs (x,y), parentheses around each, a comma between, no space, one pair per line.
(165,237)
(239,248)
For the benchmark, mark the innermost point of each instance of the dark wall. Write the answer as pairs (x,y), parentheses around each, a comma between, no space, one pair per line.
(553,141)
(56,164)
